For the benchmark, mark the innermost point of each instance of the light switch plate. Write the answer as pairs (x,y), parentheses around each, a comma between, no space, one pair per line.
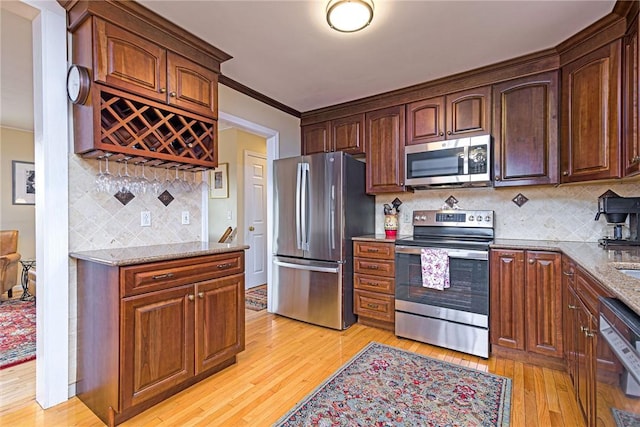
(185,217)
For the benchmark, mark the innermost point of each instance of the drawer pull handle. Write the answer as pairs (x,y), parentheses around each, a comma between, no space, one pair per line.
(227,265)
(191,297)
(571,307)
(373,250)
(200,294)
(570,273)
(588,334)
(372,267)
(163,276)
(371,284)
(372,305)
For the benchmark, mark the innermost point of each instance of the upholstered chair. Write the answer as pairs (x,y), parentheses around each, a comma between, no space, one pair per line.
(9,258)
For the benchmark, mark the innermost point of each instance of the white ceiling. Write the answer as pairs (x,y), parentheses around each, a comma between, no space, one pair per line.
(286,51)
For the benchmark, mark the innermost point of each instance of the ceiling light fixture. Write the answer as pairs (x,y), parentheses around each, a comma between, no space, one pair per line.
(348,16)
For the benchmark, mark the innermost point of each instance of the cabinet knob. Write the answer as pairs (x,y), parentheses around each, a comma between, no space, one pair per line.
(251,228)
(636,159)
(441,133)
(163,90)
(191,297)
(448,132)
(583,328)
(531,260)
(497,177)
(588,334)
(172,94)
(200,294)
(565,173)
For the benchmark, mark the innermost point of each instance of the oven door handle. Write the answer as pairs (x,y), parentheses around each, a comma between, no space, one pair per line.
(452,253)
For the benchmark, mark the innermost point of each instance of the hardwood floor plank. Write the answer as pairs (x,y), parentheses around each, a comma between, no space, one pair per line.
(285,360)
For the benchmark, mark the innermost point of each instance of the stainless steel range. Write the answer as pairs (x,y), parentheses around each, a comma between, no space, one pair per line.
(456,317)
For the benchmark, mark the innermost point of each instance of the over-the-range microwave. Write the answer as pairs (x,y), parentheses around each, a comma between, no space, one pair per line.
(456,162)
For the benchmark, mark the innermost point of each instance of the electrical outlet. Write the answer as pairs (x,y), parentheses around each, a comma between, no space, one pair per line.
(229,215)
(406,216)
(185,217)
(145,218)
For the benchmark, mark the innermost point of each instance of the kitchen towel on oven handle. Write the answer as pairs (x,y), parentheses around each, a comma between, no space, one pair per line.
(435,268)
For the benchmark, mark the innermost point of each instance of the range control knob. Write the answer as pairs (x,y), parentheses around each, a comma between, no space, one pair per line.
(471,218)
(479,218)
(487,218)
(423,217)
(416,218)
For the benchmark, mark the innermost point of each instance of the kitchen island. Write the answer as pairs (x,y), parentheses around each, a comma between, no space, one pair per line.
(153,320)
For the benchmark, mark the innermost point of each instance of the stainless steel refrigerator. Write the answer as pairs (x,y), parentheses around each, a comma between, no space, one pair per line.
(319,205)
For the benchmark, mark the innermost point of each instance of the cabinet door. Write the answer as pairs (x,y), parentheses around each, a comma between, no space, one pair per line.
(544,303)
(192,86)
(385,150)
(347,134)
(591,110)
(219,321)
(584,366)
(157,343)
(525,129)
(126,61)
(426,121)
(315,138)
(631,90)
(468,113)
(507,299)
(569,320)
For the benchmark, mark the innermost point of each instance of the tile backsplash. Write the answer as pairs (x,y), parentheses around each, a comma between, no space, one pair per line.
(97,220)
(551,213)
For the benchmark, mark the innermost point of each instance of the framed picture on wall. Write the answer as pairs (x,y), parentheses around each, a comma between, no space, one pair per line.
(219,182)
(24,183)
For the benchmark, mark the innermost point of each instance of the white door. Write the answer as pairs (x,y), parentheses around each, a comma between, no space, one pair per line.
(255,218)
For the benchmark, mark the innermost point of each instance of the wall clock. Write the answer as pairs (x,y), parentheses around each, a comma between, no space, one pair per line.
(78,83)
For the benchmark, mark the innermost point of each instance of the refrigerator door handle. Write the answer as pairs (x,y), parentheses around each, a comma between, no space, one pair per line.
(298,206)
(333,217)
(304,206)
(307,267)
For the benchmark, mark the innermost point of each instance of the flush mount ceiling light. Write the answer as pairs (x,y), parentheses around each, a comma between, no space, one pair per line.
(348,16)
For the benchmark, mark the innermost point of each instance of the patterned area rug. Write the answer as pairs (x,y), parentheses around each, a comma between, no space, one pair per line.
(625,419)
(256,298)
(18,326)
(386,386)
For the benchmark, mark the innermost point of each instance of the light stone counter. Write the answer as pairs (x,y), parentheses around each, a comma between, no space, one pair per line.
(602,264)
(144,254)
(377,238)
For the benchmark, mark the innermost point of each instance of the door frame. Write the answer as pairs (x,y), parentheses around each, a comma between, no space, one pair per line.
(273,152)
(246,224)
(51,157)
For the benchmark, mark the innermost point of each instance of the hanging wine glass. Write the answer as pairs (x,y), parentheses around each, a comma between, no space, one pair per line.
(100,177)
(124,181)
(155,184)
(186,185)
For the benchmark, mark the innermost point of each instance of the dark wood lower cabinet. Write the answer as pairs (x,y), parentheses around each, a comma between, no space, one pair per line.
(147,331)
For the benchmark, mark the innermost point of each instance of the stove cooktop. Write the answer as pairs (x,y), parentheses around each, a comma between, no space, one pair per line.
(608,242)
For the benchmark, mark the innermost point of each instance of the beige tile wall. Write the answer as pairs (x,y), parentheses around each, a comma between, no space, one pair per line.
(99,220)
(552,213)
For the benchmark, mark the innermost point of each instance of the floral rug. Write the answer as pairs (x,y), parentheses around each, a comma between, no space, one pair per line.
(256,298)
(625,419)
(387,386)
(18,337)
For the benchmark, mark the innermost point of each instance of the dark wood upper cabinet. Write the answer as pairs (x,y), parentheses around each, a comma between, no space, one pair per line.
(426,121)
(315,138)
(347,134)
(385,131)
(591,114)
(456,115)
(525,131)
(136,65)
(468,112)
(631,113)
(343,134)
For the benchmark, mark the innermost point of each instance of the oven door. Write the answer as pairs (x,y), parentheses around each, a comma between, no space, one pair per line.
(467,298)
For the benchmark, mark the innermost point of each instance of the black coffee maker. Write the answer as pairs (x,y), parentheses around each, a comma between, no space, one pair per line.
(616,209)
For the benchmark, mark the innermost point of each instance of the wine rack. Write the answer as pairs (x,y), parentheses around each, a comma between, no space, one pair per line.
(138,127)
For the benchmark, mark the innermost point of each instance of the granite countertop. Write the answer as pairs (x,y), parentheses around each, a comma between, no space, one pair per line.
(602,264)
(378,238)
(144,254)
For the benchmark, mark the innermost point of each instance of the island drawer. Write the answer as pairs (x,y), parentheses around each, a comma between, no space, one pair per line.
(142,278)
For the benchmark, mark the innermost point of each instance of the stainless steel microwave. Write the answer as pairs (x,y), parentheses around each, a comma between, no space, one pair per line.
(459,162)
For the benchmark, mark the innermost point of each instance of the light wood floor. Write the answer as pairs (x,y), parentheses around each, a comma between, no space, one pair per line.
(283,361)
